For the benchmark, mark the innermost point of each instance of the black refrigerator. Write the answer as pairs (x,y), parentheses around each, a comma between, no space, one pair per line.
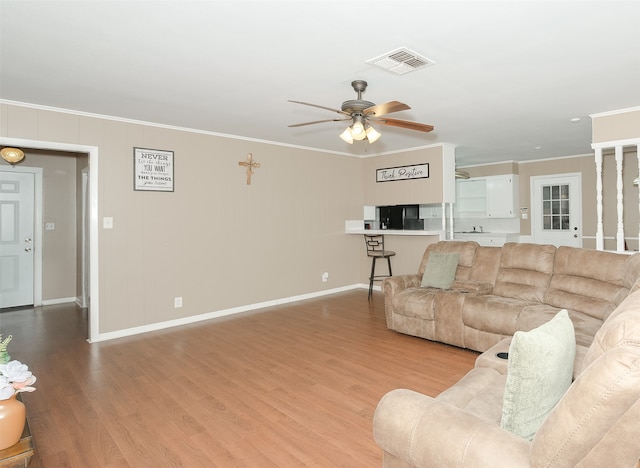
(400,217)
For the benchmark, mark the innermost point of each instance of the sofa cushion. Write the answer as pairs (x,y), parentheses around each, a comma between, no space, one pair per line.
(493,314)
(596,423)
(525,271)
(539,372)
(440,271)
(585,326)
(486,264)
(588,281)
(472,287)
(416,302)
(621,328)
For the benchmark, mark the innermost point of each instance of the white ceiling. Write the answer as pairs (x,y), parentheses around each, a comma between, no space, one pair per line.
(509,75)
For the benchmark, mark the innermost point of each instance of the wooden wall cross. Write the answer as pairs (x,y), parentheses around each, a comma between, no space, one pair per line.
(249,164)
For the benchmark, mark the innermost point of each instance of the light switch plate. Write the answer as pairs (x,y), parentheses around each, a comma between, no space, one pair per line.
(107,222)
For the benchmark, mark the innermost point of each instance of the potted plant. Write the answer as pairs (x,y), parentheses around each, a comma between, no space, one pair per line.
(15,377)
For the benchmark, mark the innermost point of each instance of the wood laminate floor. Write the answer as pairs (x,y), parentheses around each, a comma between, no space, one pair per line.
(292,385)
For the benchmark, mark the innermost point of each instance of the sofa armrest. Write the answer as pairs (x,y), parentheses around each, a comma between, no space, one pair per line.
(472,287)
(423,431)
(392,286)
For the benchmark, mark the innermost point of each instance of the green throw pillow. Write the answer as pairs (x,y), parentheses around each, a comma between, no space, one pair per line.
(539,372)
(440,270)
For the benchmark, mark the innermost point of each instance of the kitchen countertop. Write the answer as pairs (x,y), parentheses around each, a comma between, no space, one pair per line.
(478,233)
(395,232)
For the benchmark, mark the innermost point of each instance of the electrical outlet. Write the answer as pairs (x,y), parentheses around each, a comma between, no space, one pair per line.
(325,277)
(177,302)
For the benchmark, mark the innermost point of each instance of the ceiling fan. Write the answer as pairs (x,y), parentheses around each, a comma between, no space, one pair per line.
(363,113)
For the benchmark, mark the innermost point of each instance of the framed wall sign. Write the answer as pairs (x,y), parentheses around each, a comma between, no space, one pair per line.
(152,170)
(390,174)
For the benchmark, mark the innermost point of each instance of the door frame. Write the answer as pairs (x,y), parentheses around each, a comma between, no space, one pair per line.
(536,203)
(94,241)
(84,248)
(37,226)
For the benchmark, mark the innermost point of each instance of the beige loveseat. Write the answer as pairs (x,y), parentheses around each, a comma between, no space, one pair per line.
(497,292)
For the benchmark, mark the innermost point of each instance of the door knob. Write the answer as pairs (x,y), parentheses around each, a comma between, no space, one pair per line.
(575,235)
(28,240)
(28,249)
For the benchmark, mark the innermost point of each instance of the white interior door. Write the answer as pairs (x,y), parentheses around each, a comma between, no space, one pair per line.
(17,233)
(556,209)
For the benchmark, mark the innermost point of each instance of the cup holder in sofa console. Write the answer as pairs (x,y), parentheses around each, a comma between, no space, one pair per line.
(503,355)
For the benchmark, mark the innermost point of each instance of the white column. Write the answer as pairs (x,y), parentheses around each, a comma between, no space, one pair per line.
(638,155)
(620,206)
(599,225)
(450,221)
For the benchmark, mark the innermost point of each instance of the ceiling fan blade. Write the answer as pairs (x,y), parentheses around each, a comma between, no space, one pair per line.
(386,108)
(320,107)
(318,121)
(403,124)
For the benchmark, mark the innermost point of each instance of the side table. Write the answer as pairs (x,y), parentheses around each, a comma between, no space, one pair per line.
(18,455)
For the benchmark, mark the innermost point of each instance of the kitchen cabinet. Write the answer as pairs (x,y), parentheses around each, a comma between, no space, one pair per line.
(471,198)
(430,211)
(502,196)
(487,197)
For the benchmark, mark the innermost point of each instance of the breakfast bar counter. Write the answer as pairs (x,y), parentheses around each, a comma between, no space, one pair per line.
(396,232)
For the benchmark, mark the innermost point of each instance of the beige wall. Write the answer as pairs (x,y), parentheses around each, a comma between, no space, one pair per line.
(615,126)
(493,169)
(400,192)
(214,241)
(584,165)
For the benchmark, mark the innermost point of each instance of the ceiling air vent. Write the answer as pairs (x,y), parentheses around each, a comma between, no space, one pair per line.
(401,61)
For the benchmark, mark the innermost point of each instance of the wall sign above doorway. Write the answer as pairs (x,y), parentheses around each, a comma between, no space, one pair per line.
(390,174)
(153,170)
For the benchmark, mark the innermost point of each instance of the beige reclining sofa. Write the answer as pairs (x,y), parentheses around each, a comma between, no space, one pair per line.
(496,293)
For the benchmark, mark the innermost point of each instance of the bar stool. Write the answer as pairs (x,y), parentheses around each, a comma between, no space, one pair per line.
(375,250)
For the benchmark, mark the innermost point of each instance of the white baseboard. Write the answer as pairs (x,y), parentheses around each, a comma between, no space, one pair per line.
(219,313)
(80,303)
(61,300)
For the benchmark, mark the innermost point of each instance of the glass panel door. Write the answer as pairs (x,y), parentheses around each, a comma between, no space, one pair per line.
(555,207)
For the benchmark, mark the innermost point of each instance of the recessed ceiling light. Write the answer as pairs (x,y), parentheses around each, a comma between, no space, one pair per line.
(575,119)
(537,147)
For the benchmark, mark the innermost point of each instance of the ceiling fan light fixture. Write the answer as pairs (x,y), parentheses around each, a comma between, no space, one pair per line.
(360,112)
(346,136)
(372,134)
(357,130)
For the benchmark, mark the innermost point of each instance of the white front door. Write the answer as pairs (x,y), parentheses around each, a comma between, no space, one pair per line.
(17,202)
(556,209)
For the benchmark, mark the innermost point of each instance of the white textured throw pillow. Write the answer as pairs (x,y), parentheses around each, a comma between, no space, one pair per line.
(540,371)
